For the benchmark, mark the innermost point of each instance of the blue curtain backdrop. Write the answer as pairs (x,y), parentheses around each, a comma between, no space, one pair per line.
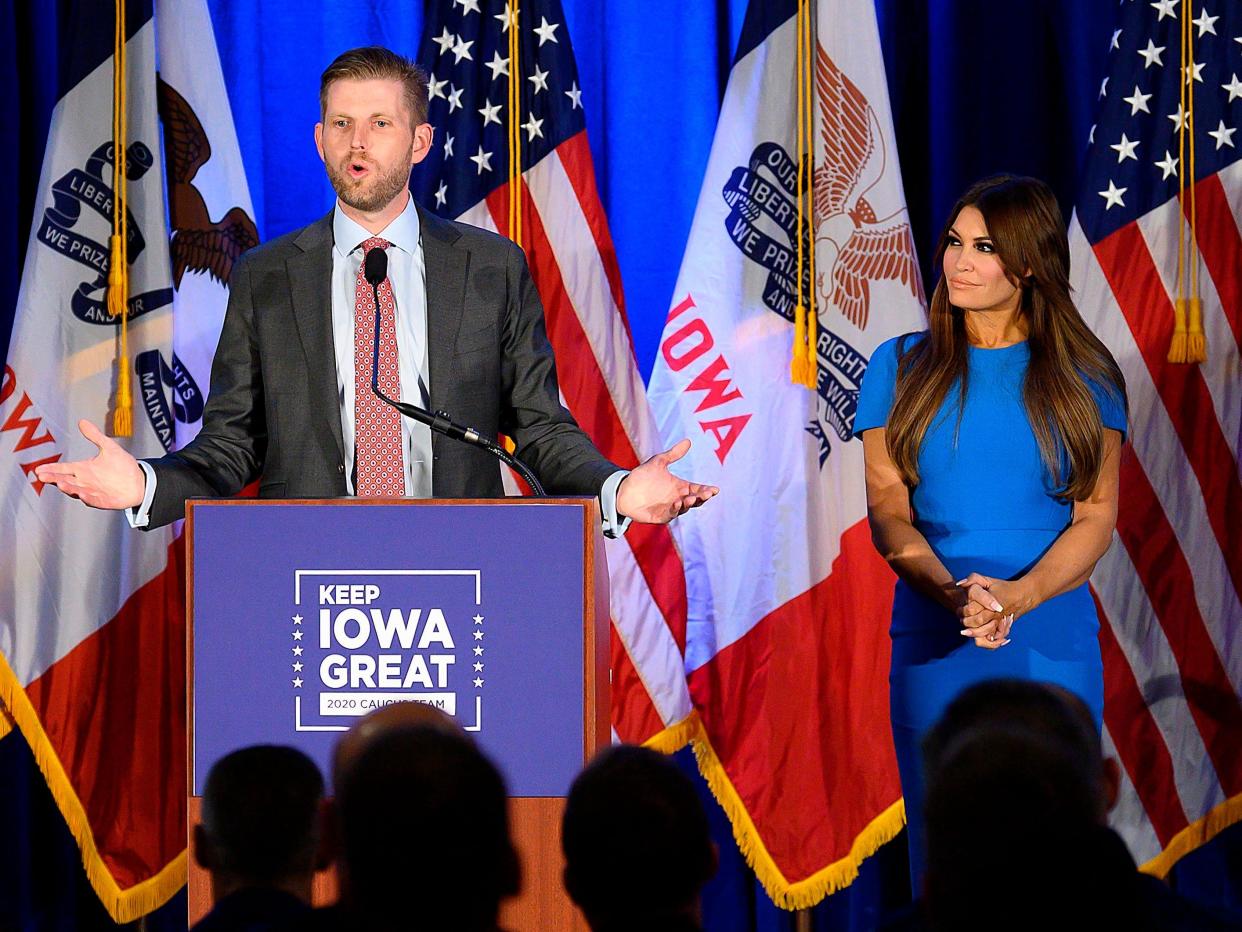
(976,87)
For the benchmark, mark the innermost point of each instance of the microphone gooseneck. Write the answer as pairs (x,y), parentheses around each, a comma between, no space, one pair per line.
(375,270)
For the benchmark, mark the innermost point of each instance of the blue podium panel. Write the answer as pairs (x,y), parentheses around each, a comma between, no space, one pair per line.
(307,616)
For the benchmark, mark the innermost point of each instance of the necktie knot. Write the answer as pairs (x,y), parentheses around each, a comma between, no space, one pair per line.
(374,242)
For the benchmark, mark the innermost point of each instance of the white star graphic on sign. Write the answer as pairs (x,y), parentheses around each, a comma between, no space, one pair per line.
(1125,149)
(532,127)
(297,680)
(445,40)
(297,619)
(297,667)
(489,111)
(1222,135)
(441,195)
(482,159)
(478,667)
(1205,23)
(462,50)
(478,681)
(1195,72)
(1137,101)
(478,635)
(1113,196)
(498,66)
(1168,166)
(478,619)
(575,97)
(1151,54)
(1115,44)
(546,31)
(507,17)
(1179,118)
(297,651)
(448,145)
(297,635)
(454,97)
(467,6)
(478,652)
(1104,87)
(1165,8)
(435,88)
(1234,87)
(539,79)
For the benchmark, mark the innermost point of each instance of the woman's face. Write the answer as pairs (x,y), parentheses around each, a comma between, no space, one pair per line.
(972,270)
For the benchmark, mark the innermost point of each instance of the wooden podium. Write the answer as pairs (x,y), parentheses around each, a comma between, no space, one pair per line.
(304,615)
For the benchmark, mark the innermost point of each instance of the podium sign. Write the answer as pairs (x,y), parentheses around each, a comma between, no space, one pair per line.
(307,616)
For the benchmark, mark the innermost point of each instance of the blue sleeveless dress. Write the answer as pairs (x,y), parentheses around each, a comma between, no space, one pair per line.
(985,505)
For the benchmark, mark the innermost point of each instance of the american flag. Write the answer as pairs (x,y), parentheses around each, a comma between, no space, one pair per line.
(466,49)
(1168,594)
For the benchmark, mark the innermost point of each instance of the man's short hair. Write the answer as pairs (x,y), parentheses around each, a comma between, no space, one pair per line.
(374,62)
(261,814)
(636,840)
(425,830)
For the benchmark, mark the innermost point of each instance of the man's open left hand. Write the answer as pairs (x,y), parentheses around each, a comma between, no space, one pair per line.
(653,495)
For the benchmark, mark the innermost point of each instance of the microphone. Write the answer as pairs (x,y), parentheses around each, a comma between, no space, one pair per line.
(375,270)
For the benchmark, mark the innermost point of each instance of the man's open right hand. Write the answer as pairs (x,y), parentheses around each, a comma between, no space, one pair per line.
(110,479)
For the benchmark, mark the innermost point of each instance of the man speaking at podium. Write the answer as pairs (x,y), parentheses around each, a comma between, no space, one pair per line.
(461,329)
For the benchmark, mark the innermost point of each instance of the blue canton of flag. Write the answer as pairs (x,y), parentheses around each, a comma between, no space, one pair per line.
(466,49)
(1133,162)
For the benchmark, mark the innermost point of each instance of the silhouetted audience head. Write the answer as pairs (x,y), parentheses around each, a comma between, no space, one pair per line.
(1017,795)
(637,845)
(261,821)
(424,829)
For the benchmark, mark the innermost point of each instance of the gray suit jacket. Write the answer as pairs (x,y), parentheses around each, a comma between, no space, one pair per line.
(273,411)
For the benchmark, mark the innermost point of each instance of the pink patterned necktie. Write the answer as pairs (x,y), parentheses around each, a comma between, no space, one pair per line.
(377,427)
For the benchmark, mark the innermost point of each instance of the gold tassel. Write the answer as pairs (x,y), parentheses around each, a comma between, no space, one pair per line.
(1196,339)
(1177,345)
(801,363)
(118,265)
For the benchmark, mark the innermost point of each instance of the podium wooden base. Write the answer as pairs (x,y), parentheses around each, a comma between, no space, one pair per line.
(542,905)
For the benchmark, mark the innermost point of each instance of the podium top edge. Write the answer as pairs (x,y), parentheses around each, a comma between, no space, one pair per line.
(580,500)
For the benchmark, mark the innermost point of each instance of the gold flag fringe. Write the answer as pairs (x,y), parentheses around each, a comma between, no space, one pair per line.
(123,905)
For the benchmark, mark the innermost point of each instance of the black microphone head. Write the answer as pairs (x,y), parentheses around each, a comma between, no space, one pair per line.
(375,266)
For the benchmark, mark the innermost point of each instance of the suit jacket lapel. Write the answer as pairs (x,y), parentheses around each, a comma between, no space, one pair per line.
(310,286)
(446,268)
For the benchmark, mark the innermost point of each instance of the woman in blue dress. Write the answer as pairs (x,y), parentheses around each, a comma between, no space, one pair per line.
(991,443)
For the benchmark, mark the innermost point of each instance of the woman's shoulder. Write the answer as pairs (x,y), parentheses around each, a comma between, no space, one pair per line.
(891,349)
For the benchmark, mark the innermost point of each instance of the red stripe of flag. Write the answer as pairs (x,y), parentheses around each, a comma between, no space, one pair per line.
(1140,745)
(1141,295)
(113,709)
(1221,245)
(575,155)
(634,715)
(1165,574)
(587,392)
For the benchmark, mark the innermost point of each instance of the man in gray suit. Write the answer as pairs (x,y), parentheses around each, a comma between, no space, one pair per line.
(290,402)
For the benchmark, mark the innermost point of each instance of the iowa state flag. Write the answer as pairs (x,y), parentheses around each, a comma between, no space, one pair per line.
(92,627)
(787,641)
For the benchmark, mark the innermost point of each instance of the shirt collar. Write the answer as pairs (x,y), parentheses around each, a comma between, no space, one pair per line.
(403,232)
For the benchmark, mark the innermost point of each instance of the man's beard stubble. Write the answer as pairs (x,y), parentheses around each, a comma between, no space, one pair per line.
(381,191)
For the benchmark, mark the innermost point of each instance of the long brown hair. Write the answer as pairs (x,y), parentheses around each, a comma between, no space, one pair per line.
(1025,225)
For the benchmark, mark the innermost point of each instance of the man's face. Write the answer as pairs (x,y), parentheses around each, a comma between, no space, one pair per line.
(368,142)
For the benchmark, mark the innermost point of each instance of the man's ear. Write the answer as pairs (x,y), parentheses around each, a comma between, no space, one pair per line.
(424,135)
(330,840)
(319,141)
(1112,783)
(204,854)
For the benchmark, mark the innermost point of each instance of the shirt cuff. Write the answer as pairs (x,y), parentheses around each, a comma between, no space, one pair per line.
(141,516)
(615,525)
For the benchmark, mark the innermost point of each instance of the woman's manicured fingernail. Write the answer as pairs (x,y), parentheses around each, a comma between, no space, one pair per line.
(1004,642)
(997,607)
(965,631)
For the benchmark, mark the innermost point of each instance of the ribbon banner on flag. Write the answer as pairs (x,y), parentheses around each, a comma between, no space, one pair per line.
(1156,256)
(92,617)
(787,643)
(511,155)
